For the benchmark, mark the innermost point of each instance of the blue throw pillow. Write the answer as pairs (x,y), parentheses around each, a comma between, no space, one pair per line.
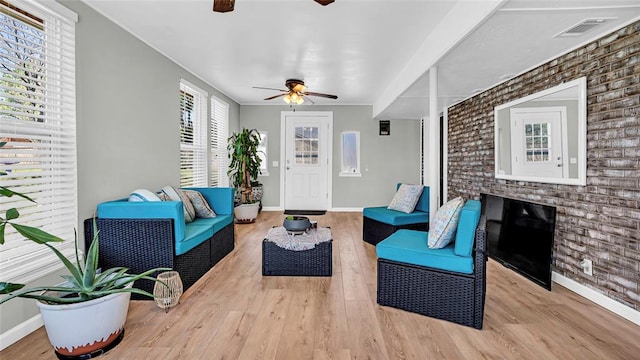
(406,198)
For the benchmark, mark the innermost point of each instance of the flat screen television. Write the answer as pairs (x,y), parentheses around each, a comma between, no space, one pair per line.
(520,236)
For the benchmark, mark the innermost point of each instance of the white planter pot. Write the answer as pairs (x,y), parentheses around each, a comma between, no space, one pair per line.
(246,213)
(86,327)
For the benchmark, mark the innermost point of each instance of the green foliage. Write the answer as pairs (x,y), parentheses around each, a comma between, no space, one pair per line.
(244,165)
(84,282)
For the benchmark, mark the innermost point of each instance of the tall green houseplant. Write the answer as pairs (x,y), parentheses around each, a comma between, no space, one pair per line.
(244,164)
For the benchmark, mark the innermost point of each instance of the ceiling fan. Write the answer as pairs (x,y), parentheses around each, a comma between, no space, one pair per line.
(227,5)
(295,93)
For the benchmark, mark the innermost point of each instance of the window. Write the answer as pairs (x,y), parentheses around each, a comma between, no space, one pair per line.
(306,143)
(350,153)
(262,154)
(219,135)
(536,137)
(38,122)
(193,136)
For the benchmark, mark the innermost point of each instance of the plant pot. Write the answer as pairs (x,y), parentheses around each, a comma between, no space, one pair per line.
(246,213)
(88,328)
(296,223)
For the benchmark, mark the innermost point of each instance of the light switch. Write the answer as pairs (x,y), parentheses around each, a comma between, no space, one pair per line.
(573,160)
(274,164)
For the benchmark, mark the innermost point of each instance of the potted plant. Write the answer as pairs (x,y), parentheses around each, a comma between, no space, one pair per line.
(85,315)
(244,167)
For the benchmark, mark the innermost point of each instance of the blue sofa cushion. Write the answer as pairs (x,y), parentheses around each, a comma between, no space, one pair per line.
(217,223)
(393,217)
(195,234)
(467,224)
(410,246)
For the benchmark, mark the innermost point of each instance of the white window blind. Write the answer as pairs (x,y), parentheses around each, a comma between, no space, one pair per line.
(38,122)
(219,135)
(193,136)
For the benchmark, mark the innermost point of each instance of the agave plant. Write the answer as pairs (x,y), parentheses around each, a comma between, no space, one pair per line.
(85,282)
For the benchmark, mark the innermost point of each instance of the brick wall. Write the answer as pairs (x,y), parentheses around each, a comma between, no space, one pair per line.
(601,220)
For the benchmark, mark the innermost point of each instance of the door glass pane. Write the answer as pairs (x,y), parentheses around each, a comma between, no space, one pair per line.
(306,145)
(537,139)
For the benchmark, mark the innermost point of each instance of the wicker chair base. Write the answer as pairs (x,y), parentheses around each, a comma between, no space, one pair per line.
(374,231)
(277,261)
(143,244)
(436,293)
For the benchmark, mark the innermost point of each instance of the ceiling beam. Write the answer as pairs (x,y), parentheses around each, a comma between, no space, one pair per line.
(463,18)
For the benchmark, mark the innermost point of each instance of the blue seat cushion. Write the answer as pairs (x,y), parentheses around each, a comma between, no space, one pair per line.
(195,235)
(410,246)
(217,223)
(467,224)
(393,217)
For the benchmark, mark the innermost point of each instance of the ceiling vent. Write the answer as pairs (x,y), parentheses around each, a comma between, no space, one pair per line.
(582,27)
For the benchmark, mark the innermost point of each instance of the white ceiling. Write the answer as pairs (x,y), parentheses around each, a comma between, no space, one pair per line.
(366,52)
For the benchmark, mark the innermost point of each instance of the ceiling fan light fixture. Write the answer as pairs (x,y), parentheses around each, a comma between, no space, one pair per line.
(287,98)
(300,100)
(294,97)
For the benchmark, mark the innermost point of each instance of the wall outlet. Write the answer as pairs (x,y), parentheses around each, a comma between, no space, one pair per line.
(587,267)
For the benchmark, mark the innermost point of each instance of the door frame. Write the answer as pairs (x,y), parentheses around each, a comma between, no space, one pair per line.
(322,114)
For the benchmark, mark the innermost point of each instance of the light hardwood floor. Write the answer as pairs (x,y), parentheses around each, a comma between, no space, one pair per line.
(234,312)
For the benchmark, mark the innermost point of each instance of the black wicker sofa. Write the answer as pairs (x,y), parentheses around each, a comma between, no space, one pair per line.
(153,234)
(447,294)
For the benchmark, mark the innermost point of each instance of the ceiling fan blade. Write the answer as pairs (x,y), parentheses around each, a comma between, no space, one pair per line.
(320,95)
(223,5)
(324,2)
(309,99)
(274,96)
(268,88)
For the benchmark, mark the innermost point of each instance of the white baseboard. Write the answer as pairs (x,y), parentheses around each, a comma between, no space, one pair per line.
(346,209)
(598,298)
(16,333)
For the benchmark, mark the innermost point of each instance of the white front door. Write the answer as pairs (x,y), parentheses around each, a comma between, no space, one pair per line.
(306,159)
(536,142)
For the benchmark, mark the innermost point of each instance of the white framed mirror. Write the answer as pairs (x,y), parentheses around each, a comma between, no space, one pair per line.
(543,137)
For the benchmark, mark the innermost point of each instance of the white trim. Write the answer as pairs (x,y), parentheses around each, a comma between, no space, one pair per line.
(346,209)
(598,298)
(19,331)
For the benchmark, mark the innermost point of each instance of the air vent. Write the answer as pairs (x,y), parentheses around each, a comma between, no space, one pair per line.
(582,27)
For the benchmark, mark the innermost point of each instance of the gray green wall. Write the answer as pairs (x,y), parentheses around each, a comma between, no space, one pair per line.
(385,160)
(127,122)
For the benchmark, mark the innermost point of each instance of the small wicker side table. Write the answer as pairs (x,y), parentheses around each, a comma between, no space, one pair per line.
(277,261)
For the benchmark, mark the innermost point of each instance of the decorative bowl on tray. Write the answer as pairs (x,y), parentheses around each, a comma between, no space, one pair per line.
(296,223)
